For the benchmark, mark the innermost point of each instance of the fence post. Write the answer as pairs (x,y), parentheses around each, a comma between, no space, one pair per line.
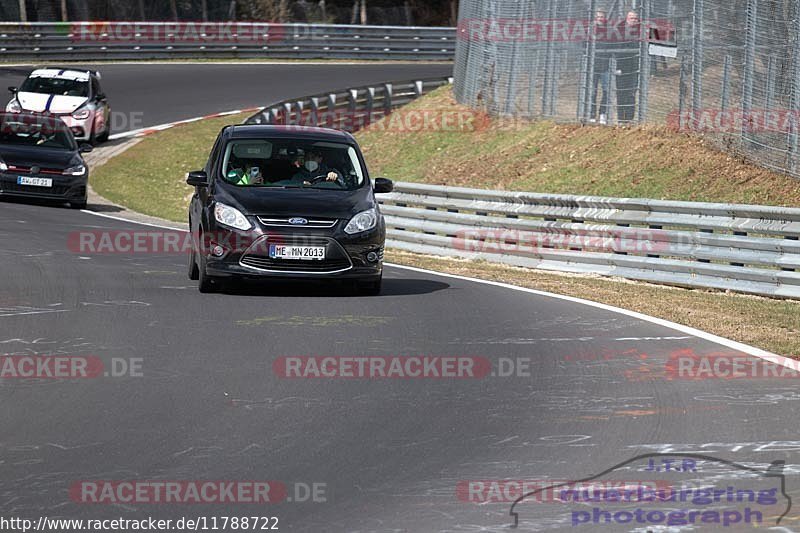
(548,62)
(726,81)
(591,56)
(532,84)
(749,66)
(644,62)
(770,96)
(794,133)
(612,90)
(682,89)
(697,58)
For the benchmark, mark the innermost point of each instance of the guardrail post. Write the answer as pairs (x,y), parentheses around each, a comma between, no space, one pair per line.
(418,87)
(300,108)
(352,107)
(313,111)
(370,107)
(274,114)
(287,113)
(387,98)
(330,111)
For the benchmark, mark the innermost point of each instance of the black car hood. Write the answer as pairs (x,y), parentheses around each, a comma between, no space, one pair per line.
(28,156)
(295,202)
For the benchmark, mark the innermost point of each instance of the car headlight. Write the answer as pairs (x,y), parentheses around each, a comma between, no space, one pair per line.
(14,106)
(364,221)
(225,214)
(78,170)
(3,166)
(81,113)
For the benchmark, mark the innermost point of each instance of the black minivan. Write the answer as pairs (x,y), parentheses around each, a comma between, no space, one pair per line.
(278,201)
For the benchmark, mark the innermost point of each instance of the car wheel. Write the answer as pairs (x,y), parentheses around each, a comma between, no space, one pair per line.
(78,204)
(103,137)
(194,271)
(371,287)
(207,284)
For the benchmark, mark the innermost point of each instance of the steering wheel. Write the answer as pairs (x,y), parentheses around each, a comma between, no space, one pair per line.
(324,177)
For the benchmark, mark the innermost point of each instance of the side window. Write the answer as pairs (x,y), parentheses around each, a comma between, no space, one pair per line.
(213,157)
(95,87)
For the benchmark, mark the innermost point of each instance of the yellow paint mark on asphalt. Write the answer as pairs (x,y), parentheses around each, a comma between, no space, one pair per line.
(316,321)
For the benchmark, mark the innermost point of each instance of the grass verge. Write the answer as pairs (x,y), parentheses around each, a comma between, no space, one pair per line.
(149,178)
(542,156)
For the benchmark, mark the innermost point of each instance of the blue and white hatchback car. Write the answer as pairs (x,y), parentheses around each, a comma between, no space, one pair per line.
(73,95)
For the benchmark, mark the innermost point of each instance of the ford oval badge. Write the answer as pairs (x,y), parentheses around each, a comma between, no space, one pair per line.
(298,221)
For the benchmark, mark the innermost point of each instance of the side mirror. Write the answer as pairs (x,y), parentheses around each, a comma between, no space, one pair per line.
(100,97)
(383,185)
(12,90)
(197,178)
(85,148)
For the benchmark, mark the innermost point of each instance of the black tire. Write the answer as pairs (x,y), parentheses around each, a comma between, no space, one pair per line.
(103,137)
(372,287)
(78,204)
(194,271)
(206,284)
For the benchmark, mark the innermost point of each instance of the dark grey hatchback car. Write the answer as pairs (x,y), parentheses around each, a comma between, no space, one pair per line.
(291,202)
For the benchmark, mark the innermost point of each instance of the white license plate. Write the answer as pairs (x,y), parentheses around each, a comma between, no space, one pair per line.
(300,253)
(36,182)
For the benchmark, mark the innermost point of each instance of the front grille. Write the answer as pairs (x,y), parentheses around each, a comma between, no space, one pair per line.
(27,170)
(283,222)
(265,263)
(257,255)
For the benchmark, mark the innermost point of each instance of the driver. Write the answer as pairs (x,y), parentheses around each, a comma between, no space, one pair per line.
(314,167)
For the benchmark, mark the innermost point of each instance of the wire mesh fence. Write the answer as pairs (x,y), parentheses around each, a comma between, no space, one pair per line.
(729,69)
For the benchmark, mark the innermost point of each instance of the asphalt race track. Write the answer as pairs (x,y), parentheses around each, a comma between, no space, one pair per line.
(143,95)
(388,454)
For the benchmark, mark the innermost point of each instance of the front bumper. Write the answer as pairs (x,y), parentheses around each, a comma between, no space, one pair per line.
(81,129)
(64,188)
(246,254)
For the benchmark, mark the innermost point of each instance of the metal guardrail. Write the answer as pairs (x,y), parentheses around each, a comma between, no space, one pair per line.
(742,248)
(96,41)
(348,109)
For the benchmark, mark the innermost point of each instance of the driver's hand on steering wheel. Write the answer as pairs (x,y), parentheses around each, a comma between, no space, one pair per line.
(332,176)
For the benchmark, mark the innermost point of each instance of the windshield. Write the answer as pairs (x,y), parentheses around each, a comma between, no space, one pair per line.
(61,87)
(45,133)
(292,163)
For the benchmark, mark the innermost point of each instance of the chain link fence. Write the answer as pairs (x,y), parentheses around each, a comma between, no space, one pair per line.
(729,69)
